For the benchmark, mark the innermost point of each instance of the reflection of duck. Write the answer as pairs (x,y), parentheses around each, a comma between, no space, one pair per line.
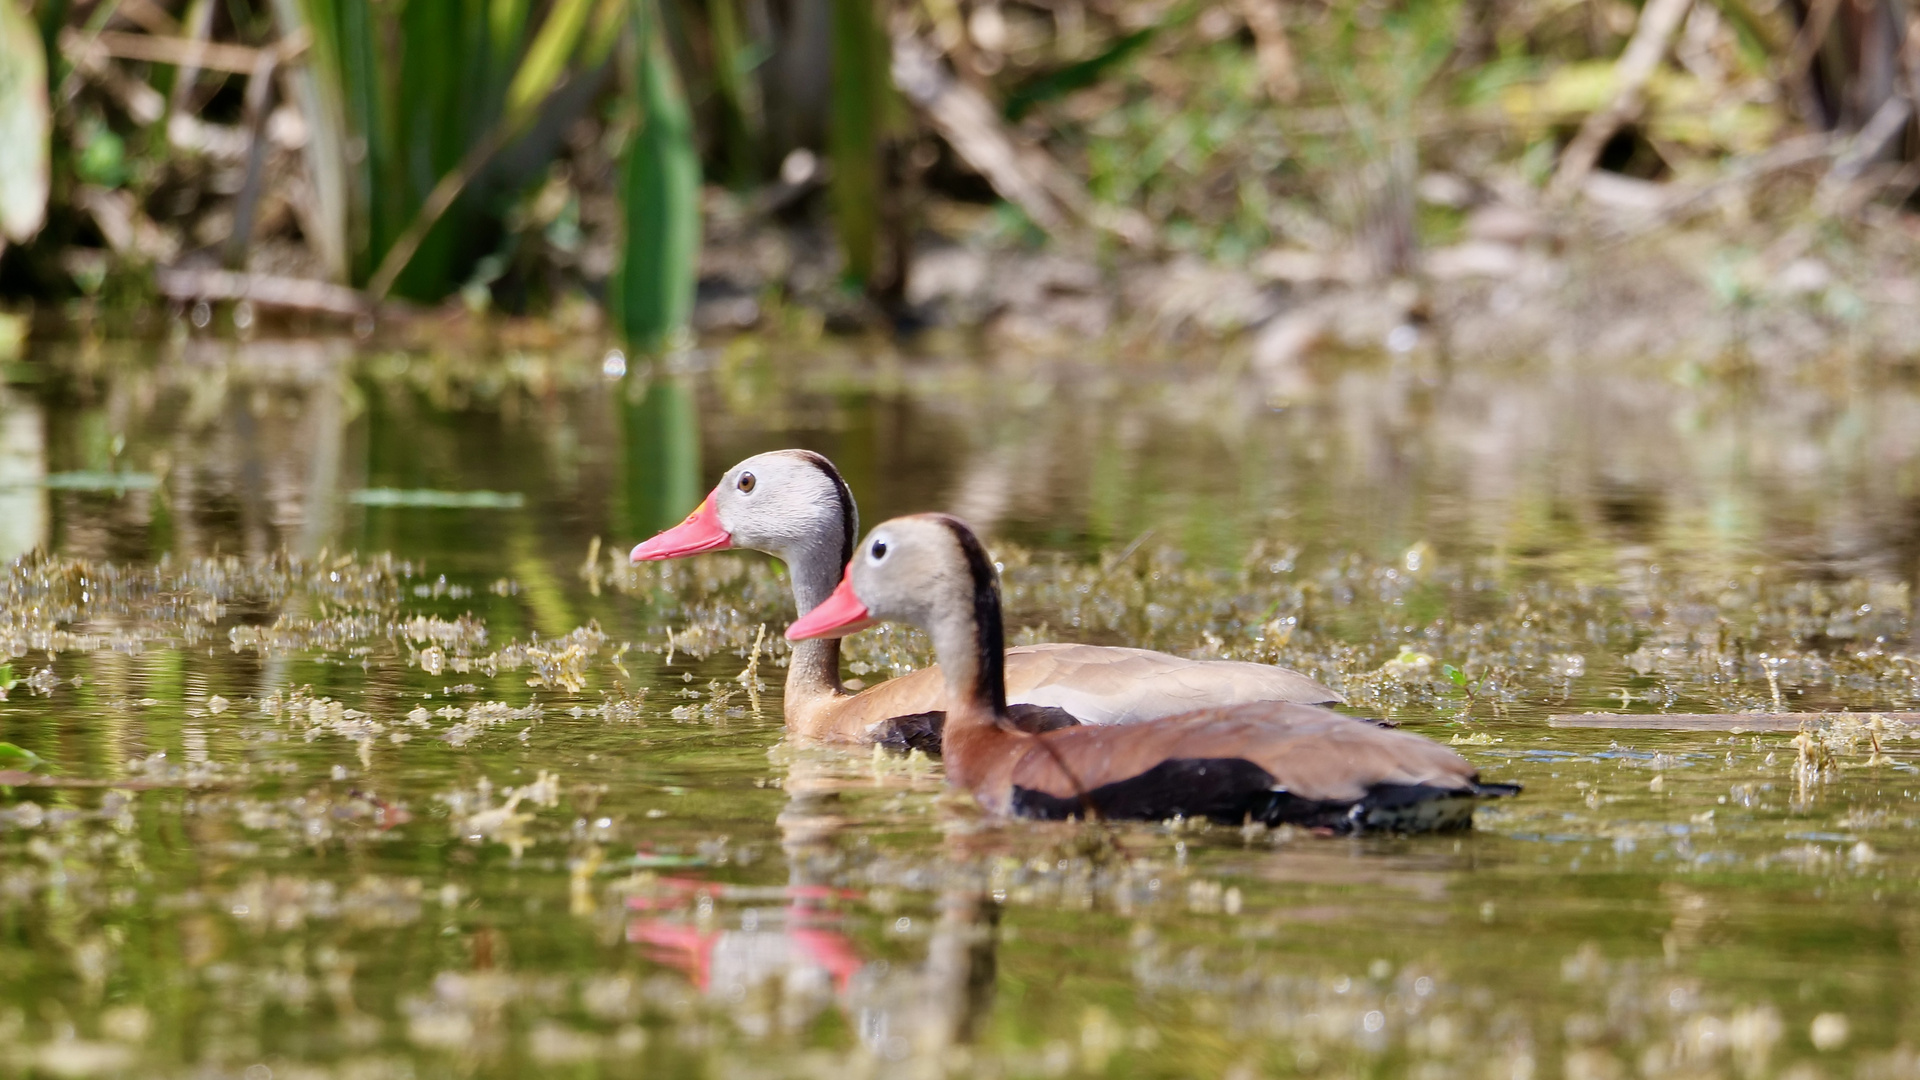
(795,950)
(799,951)
(722,960)
(793,505)
(1264,761)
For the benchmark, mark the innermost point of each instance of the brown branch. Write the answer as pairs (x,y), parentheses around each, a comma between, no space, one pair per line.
(142,102)
(1791,154)
(180,52)
(968,123)
(1024,176)
(1805,44)
(1658,21)
(264,290)
(1838,193)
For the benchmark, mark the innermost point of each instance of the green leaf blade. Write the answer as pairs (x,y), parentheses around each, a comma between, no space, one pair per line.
(14,758)
(25,126)
(653,283)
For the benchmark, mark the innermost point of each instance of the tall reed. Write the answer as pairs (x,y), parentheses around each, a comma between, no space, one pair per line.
(653,283)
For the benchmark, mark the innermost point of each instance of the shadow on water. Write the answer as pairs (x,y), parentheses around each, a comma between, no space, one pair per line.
(363,753)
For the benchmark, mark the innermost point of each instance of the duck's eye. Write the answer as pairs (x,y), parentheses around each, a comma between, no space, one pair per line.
(745,483)
(878,551)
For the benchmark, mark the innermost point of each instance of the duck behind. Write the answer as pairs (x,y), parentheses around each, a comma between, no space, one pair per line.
(794,505)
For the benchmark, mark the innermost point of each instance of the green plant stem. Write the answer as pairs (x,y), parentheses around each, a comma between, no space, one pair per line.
(437,202)
(854,133)
(653,283)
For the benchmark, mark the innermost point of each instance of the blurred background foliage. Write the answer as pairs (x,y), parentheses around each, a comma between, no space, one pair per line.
(549,156)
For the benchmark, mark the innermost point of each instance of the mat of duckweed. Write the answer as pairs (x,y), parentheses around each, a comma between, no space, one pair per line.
(305,818)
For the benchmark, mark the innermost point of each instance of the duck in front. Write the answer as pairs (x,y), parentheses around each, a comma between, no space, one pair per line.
(793,505)
(1270,762)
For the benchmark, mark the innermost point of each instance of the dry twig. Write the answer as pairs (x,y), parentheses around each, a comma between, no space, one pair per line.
(968,123)
(181,52)
(1024,176)
(264,290)
(1791,154)
(1879,138)
(1800,58)
(1658,21)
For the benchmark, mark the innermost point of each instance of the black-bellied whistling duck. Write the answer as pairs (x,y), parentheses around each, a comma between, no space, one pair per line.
(793,505)
(1270,762)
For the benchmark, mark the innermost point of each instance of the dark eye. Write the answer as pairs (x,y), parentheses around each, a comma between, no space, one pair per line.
(878,551)
(745,483)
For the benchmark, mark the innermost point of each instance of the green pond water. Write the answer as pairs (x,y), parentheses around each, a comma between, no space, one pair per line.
(360,752)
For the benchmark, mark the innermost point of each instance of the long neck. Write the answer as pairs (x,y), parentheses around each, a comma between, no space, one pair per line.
(971,660)
(813,672)
(970,642)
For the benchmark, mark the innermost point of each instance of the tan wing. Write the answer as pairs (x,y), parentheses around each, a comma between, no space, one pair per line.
(1101,684)
(1096,684)
(1311,753)
(854,718)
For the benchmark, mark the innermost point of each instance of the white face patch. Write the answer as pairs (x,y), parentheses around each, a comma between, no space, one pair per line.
(785,506)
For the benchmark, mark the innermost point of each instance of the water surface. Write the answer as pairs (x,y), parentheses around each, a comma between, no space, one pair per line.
(365,755)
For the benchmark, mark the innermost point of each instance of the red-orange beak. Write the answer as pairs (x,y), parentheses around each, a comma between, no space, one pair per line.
(837,616)
(700,532)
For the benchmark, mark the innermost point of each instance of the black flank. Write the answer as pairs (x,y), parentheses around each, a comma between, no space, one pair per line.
(1228,791)
(849,516)
(1034,719)
(921,731)
(917,731)
(986,614)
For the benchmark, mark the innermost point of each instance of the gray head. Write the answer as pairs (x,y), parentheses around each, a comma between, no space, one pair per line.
(791,504)
(928,571)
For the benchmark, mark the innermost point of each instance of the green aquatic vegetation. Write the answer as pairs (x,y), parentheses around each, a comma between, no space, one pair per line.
(16,764)
(1714,644)
(25,123)
(651,291)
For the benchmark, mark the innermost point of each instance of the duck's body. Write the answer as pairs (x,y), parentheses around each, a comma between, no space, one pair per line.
(793,505)
(1271,762)
(1048,686)
(1267,762)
